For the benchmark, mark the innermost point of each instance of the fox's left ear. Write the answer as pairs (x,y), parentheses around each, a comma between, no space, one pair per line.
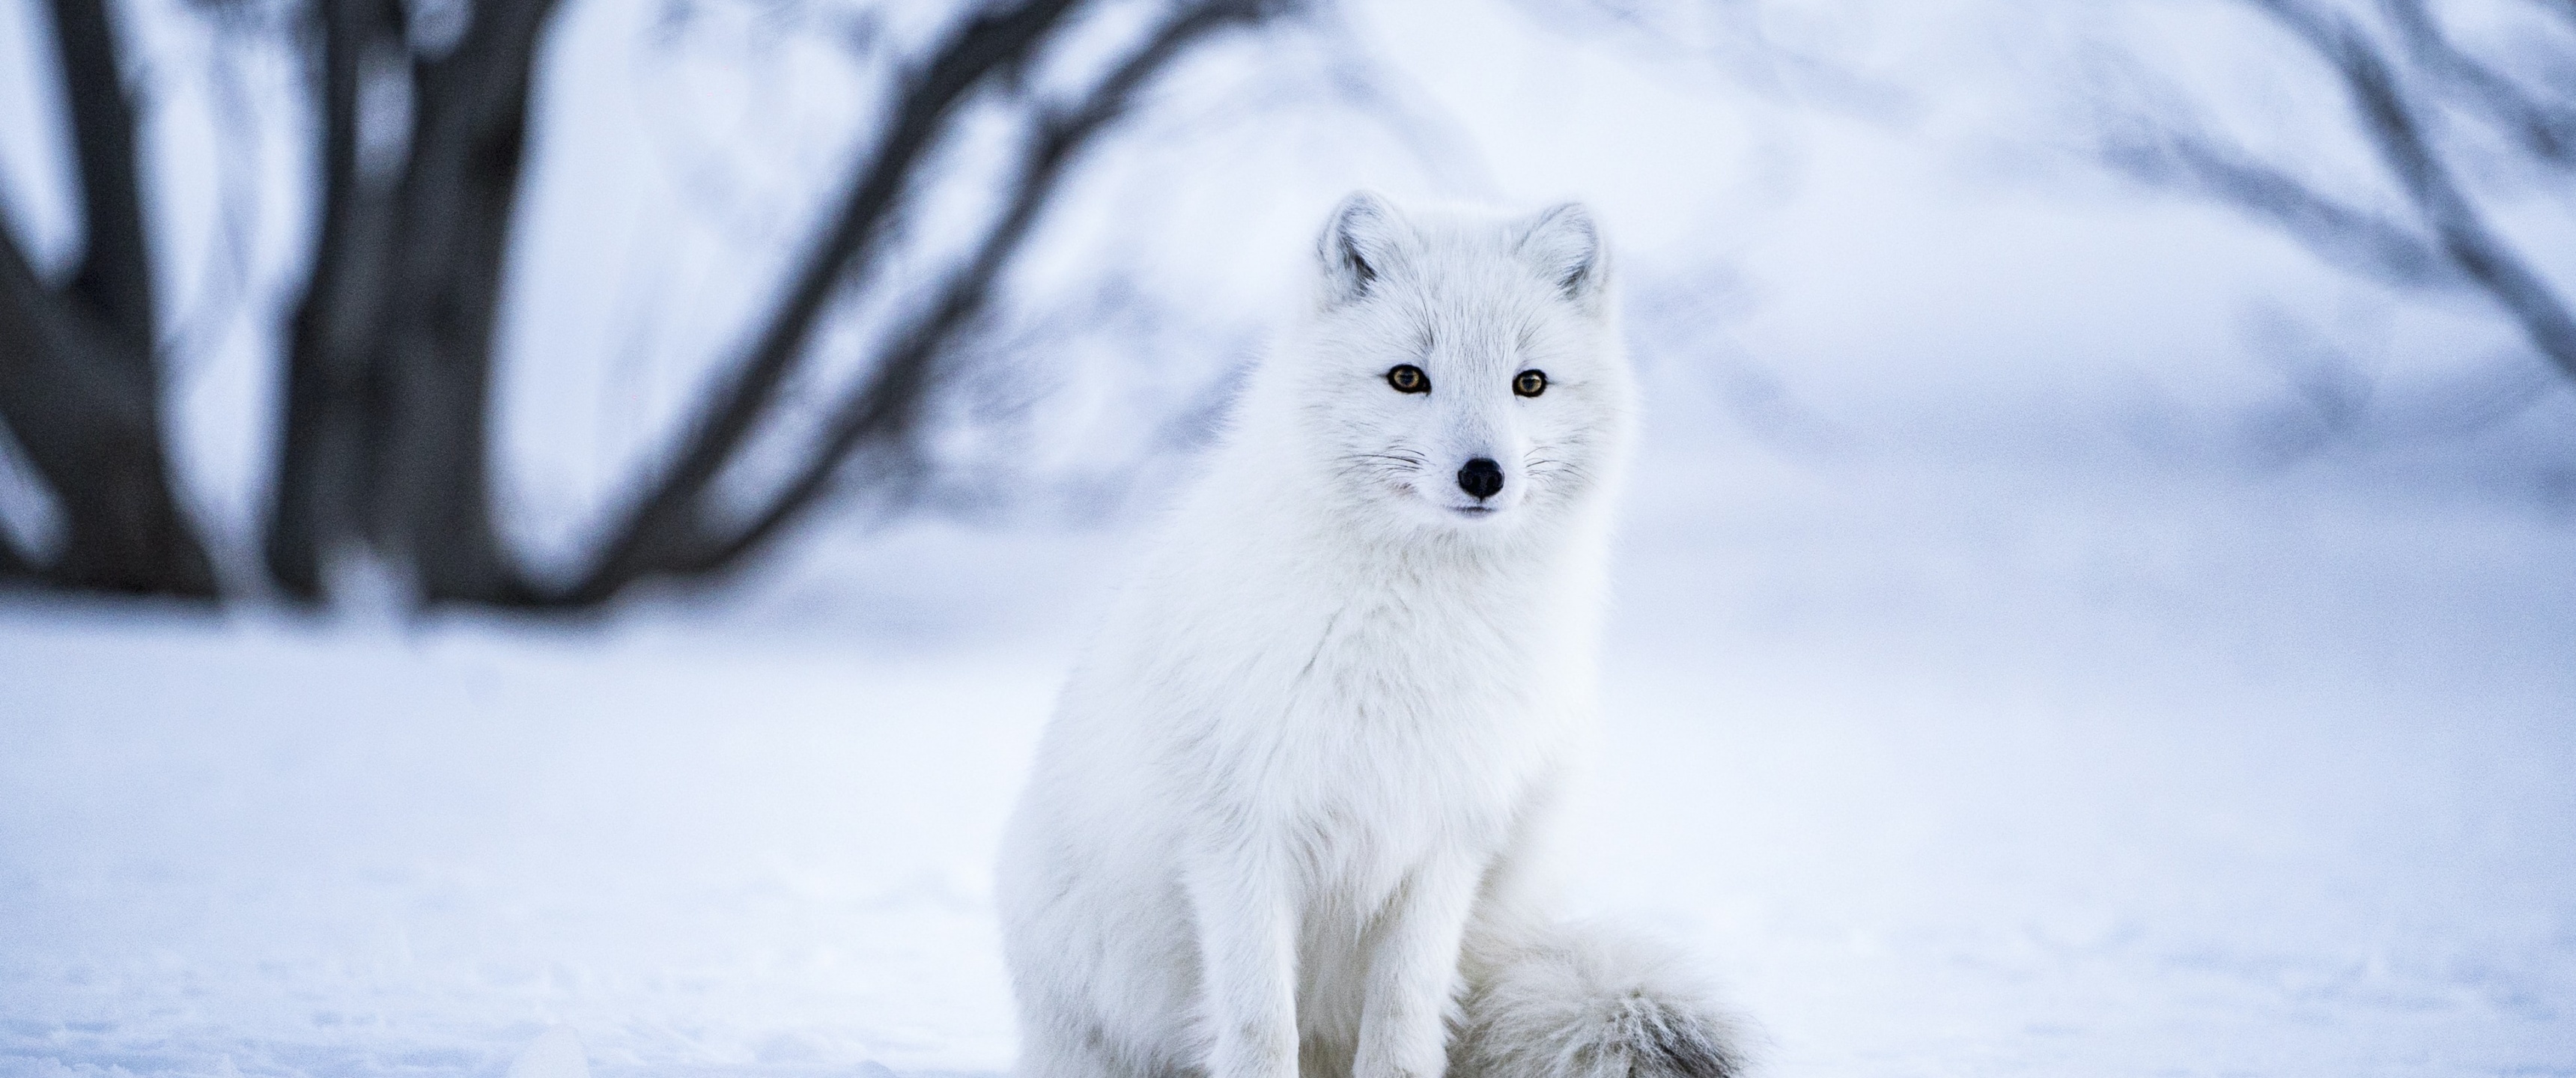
(1566,246)
(1358,244)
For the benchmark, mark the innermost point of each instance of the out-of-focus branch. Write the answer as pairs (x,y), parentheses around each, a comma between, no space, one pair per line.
(668,530)
(115,274)
(884,408)
(2544,129)
(2398,131)
(2447,241)
(13,565)
(672,530)
(2364,240)
(78,384)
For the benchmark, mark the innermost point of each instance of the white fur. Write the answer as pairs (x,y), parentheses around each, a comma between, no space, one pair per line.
(1282,820)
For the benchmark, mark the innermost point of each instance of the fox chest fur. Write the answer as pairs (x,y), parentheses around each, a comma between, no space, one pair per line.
(1327,728)
(1353,736)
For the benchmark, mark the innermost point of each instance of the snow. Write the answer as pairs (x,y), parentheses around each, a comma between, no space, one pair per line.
(311,855)
(2000,778)
(2025,673)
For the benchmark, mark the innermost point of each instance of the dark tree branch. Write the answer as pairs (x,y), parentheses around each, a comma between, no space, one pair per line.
(14,566)
(457,197)
(78,384)
(884,409)
(667,528)
(324,452)
(115,274)
(83,401)
(2447,242)
(2368,241)
(2544,129)
(674,532)
(2398,132)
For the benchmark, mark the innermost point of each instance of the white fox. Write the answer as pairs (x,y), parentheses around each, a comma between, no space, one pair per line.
(1282,821)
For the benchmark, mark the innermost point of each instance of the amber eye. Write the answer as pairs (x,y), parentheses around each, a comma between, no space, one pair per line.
(1407,378)
(1529,383)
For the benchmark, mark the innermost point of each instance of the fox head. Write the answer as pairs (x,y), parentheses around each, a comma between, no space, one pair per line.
(1458,373)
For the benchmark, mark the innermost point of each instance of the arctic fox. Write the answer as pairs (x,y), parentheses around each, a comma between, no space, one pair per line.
(1281,824)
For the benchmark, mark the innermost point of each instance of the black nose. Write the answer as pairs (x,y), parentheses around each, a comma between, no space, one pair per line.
(1481,477)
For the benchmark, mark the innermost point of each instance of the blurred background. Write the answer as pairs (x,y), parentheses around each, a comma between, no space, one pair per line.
(537,536)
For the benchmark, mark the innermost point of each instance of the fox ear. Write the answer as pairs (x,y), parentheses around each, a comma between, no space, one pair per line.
(1566,246)
(1358,245)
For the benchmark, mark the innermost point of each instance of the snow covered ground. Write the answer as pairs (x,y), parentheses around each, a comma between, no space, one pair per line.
(2199,779)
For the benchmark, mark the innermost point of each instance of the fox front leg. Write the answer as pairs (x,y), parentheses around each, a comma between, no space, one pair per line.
(1413,973)
(1248,964)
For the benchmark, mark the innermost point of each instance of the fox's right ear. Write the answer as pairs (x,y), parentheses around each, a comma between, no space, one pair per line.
(1359,244)
(1566,245)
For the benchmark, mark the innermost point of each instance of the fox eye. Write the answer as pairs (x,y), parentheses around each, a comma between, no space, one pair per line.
(1407,378)
(1529,383)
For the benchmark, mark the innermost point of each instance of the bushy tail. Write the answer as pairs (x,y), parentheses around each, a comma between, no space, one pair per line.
(1585,1001)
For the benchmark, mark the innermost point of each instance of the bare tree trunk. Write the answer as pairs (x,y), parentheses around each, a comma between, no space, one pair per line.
(115,275)
(324,447)
(457,203)
(78,382)
(387,424)
(14,566)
